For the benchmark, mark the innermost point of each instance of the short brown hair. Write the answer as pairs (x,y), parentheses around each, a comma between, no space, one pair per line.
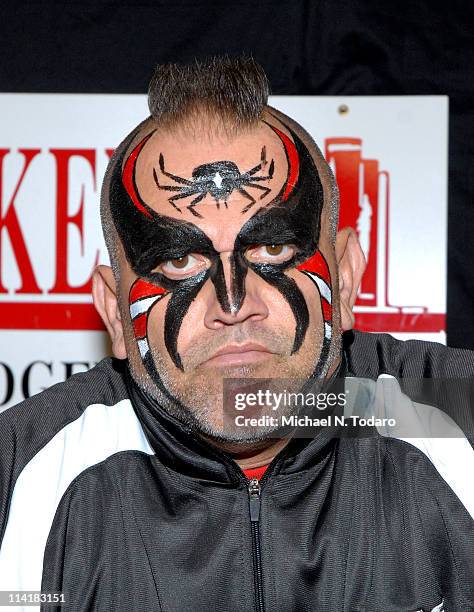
(233,91)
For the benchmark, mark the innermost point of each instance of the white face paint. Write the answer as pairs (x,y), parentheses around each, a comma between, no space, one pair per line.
(218,180)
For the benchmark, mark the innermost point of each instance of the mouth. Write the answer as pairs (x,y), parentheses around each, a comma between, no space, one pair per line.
(238,354)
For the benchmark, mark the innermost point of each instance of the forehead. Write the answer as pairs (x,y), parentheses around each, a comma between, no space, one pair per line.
(199,164)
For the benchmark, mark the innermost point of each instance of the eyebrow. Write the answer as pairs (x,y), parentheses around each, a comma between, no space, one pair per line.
(269,228)
(169,239)
(278,225)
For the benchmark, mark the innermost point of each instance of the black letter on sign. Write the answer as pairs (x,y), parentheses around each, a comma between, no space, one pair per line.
(25,381)
(9,384)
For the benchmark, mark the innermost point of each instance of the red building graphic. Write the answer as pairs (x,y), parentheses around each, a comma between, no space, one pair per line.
(365,205)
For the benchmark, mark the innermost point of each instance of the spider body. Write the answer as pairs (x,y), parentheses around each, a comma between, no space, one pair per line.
(217,179)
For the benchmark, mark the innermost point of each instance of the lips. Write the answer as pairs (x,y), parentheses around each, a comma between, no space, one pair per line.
(237,354)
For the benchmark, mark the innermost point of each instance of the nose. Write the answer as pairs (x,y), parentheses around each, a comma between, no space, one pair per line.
(235,299)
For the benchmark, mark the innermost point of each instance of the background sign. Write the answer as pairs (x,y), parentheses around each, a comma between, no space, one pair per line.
(389,155)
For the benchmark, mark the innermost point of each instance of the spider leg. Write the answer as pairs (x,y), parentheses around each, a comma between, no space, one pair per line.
(176,178)
(249,197)
(166,187)
(261,187)
(271,170)
(180,196)
(218,202)
(189,192)
(262,164)
(194,202)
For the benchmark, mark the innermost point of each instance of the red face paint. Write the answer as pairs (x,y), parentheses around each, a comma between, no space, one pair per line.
(142,297)
(129,179)
(317,269)
(293,163)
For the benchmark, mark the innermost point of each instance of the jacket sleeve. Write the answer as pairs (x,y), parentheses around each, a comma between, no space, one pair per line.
(449,531)
(24,430)
(369,355)
(7,467)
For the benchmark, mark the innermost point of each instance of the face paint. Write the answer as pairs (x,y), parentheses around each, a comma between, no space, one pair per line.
(293,163)
(141,298)
(317,269)
(150,239)
(218,179)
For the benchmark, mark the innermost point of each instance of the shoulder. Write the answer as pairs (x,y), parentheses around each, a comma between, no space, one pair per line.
(90,410)
(102,384)
(30,425)
(434,481)
(46,443)
(421,441)
(370,354)
(437,472)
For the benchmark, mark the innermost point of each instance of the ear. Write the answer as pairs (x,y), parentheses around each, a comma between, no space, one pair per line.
(105,300)
(351,265)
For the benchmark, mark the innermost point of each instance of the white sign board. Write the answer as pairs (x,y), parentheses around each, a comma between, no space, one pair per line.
(390,159)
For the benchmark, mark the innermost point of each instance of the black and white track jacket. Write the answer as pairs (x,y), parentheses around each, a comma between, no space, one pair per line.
(106,499)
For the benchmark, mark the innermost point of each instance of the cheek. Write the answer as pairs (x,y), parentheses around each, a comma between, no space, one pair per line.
(143,298)
(192,326)
(281,314)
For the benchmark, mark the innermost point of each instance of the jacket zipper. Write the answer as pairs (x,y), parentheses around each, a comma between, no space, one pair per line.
(254,505)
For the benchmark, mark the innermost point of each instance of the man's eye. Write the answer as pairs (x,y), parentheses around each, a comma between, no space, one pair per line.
(180,262)
(187,265)
(270,253)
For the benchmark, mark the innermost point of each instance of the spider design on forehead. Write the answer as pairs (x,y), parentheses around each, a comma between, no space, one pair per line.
(218,179)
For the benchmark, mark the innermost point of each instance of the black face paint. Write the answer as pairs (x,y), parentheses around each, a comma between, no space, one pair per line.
(178,305)
(292,294)
(239,267)
(218,179)
(218,280)
(150,239)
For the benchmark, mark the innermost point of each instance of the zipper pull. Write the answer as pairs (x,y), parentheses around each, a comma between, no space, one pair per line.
(254,499)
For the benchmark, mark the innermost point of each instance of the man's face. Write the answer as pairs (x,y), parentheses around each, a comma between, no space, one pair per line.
(223,266)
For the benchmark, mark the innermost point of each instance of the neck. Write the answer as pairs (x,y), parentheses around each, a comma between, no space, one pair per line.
(251,456)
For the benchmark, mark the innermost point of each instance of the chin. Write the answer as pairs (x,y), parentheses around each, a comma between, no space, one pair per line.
(247,371)
(276,366)
(238,437)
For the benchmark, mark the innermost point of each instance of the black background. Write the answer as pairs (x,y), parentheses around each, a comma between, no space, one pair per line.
(315,47)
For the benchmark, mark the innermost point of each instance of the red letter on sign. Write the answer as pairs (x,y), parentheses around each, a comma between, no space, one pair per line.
(9,221)
(63,219)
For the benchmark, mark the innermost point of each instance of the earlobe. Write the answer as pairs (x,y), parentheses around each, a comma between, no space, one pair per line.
(106,304)
(351,265)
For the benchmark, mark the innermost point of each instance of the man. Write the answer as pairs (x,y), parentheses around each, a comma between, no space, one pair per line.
(130,488)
